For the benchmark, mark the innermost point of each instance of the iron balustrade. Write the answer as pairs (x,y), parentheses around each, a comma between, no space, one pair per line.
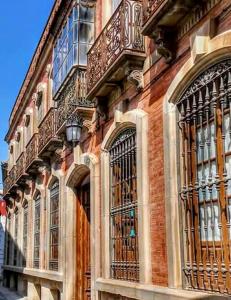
(32,150)
(47,129)
(72,96)
(20,166)
(121,34)
(151,7)
(205,126)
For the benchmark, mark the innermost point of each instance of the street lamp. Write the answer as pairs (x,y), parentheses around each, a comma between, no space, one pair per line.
(74,127)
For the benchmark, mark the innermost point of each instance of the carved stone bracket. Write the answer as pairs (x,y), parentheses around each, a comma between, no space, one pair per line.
(101,112)
(136,77)
(163,41)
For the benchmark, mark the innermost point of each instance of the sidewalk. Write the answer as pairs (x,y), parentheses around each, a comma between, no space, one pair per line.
(6,294)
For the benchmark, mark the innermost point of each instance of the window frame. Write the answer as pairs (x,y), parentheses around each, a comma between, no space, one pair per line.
(122,152)
(37,260)
(69,61)
(53,264)
(139,119)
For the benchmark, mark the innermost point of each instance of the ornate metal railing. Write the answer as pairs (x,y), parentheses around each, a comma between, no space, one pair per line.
(122,32)
(32,150)
(151,7)
(72,96)
(20,165)
(10,180)
(47,129)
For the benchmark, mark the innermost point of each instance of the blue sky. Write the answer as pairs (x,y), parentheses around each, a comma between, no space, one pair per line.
(21,25)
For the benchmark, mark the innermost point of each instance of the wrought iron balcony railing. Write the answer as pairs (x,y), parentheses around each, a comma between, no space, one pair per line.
(47,138)
(20,166)
(32,151)
(72,98)
(10,180)
(118,49)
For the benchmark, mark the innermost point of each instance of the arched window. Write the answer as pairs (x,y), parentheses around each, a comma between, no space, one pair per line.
(25,232)
(54,226)
(205,126)
(123,207)
(37,213)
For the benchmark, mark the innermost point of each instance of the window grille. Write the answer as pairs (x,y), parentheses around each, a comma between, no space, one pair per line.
(74,41)
(8,243)
(123,207)
(205,126)
(16,239)
(54,226)
(37,231)
(25,232)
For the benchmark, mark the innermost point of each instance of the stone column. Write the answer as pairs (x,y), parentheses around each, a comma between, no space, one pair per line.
(34,291)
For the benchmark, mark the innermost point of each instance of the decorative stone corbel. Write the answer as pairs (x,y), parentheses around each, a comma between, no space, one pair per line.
(163,41)
(101,112)
(136,77)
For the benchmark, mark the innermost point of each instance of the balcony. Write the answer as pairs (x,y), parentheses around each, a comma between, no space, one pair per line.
(48,140)
(73,99)
(160,21)
(20,168)
(10,181)
(32,162)
(117,52)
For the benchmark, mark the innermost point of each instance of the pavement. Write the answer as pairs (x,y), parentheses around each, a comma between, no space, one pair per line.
(6,294)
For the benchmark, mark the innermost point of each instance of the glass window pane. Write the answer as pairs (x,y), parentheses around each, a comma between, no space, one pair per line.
(83,48)
(75,37)
(86,13)
(86,33)
(75,50)
(75,13)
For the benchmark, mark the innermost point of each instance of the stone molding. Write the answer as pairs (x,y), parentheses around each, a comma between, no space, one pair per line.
(139,119)
(84,163)
(216,49)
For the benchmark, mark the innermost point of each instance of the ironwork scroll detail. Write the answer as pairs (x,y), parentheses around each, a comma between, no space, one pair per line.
(122,32)
(47,129)
(72,96)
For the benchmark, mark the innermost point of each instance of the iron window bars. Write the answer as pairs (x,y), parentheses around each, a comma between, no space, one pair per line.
(37,213)
(205,126)
(25,232)
(54,227)
(123,207)
(16,239)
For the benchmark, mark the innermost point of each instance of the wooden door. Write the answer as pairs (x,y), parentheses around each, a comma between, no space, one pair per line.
(83,243)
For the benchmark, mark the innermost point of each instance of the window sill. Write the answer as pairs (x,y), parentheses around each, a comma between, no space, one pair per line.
(45,274)
(149,292)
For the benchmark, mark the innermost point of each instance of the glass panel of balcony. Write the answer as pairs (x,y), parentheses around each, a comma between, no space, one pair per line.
(74,41)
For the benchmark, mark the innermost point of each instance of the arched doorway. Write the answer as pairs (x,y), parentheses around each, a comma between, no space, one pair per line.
(83,258)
